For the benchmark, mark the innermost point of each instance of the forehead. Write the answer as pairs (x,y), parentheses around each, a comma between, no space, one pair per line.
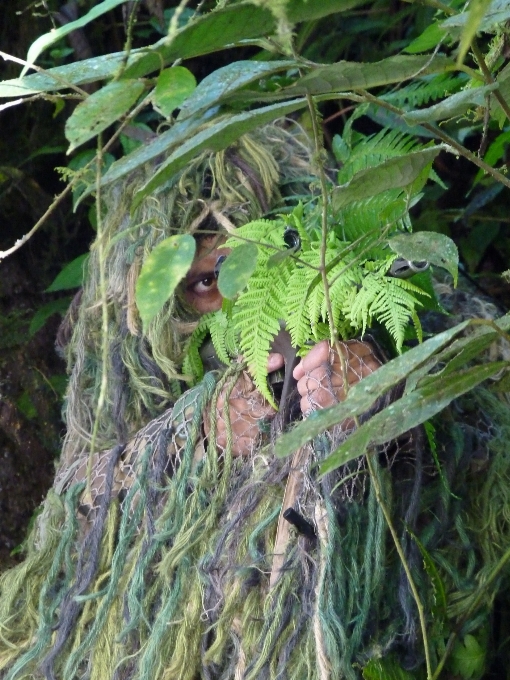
(208,251)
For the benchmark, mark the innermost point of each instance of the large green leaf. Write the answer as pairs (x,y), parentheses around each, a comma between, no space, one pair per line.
(228,79)
(206,34)
(391,174)
(346,75)
(437,249)
(173,86)
(57,34)
(456,105)
(61,77)
(101,109)
(161,273)
(237,269)
(363,395)
(408,412)
(216,137)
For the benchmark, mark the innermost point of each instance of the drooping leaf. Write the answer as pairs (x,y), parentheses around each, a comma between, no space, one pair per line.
(437,249)
(173,86)
(216,137)
(347,75)
(101,109)
(408,412)
(71,275)
(57,34)
(213,31)
(393,173)
(228,79)
(161,272)
(468,658)
(60,77)
(452,106)
(362,395)
(159,146)
(237,269)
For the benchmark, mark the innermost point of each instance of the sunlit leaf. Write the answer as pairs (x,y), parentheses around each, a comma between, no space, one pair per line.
(101,109)
(71,275)
(391,174)
(173,86)
(57,34)
(437,249)
(161,272)
(216,137)
(237,269)
(429,39)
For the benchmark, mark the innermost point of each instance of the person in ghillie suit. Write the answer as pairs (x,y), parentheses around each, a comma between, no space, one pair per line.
(167,554)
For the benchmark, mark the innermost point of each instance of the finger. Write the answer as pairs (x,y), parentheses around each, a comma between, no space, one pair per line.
(275,361)
(319,354)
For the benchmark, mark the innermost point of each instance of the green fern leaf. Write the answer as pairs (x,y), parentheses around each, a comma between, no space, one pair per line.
(192,365)
(256,316)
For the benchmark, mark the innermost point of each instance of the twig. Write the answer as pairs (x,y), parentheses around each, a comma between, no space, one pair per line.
(57,78)
(21,241)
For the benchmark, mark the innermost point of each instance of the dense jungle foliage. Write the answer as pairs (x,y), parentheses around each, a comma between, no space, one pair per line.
(409,100)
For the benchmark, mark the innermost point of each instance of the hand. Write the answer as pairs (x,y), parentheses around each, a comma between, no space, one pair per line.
(247,408)
(319,373)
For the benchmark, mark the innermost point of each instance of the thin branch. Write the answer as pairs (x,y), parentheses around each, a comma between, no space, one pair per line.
(57,78)
(21,241)
(488,77)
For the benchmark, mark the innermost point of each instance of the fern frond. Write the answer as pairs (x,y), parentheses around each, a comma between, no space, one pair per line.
(192,365)
(374,150)
(297,319)
(386,299)
(218,327)
(256,317)
(429,89)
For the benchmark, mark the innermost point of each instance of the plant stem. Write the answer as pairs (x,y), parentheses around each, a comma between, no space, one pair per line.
(101,251)
(488,77)
(405,565)
(21,241)
(324,240)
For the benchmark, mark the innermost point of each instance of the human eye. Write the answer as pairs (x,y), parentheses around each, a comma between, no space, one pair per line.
(205,285)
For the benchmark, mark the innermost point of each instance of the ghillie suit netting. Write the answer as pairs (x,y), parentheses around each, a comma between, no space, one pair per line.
(172,559)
